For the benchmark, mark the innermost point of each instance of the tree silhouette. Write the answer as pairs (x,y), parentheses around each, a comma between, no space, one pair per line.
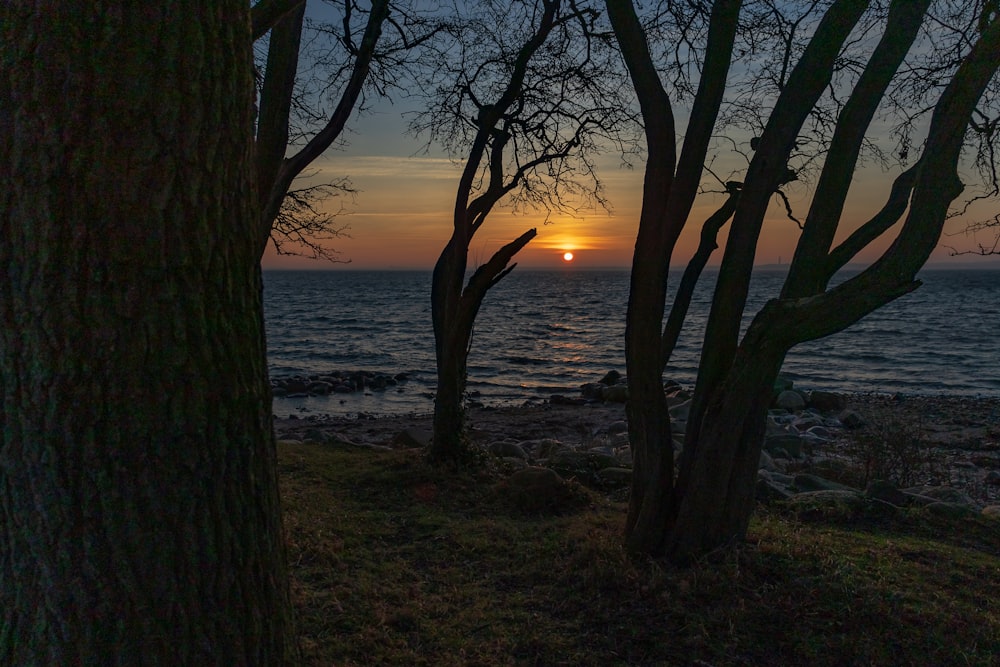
(355,54)
(529,114)
(828,81)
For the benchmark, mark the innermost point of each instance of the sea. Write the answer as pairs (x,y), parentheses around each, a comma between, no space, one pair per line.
(540,333)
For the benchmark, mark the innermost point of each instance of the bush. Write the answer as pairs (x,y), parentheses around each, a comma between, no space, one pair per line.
(895,451)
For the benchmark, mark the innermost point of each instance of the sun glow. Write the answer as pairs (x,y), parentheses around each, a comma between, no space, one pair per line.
(567,257)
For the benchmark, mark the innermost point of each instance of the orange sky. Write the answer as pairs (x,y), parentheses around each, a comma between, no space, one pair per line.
(401,216)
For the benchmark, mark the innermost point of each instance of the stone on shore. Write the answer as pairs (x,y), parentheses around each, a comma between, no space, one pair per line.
(412,438)
(790,400)
(541,490)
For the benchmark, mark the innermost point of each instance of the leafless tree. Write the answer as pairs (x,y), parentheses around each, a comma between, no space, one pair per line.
(316,75)
(525,98)
(834,68)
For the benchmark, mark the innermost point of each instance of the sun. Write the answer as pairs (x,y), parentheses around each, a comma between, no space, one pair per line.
(567,257)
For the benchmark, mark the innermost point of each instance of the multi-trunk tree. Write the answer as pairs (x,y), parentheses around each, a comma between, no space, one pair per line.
(525,96)
(139,511)
(832,70)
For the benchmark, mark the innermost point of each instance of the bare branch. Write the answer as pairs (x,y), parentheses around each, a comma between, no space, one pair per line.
(266,14)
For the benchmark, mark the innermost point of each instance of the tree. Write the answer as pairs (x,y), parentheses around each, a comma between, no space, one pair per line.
(951,73)
(138,478)
(350,56)
(529,118)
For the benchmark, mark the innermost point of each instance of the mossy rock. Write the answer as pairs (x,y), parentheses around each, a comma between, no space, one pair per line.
(535,490)
(827,504)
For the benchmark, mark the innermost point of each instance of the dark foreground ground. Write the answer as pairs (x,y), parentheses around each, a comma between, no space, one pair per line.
(396,563)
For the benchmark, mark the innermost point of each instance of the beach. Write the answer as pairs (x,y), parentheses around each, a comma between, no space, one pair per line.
(958,447)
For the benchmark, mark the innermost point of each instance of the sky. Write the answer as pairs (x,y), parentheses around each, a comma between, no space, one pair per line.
(400,217)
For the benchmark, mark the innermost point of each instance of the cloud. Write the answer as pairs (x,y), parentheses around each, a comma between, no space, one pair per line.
(390,167)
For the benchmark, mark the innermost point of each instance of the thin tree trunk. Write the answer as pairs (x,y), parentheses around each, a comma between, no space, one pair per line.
(667,199)
(451,350)
(140,519)
(454,311)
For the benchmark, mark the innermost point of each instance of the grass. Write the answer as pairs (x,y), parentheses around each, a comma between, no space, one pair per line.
(396,563)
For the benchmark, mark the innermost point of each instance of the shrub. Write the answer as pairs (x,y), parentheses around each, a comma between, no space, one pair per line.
(895,451)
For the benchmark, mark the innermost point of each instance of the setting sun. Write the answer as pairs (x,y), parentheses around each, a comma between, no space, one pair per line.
(567,257)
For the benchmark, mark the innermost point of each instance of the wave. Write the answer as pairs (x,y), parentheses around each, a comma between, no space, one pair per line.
(547,330)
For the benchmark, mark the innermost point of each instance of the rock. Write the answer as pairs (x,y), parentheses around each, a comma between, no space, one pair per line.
(592,390)
(535,489)
(615,478)
(805,421)
(611,378)
(294,386)
(915,499)
(887,493)
(790,400)
(617,427)
(321,388)
(559,399)
(851,419)
(615,393)
(513,463)
(945,494)
(767,490)
(992,511)
(805,482)
(542,448)
(775,427)
(316,435)
(837,470)
(624,455)
(412,438)
(766,462)
(680,412)
(827,401)
(782,383)
(790,445)
(507,449)
(950,510)
(573,461)
(820,433)
(780,478)
(818,504)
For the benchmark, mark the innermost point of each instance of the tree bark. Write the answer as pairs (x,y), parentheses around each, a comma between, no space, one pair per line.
(716,488)
(140,518)
(454,311)
(668,193)
(808,80)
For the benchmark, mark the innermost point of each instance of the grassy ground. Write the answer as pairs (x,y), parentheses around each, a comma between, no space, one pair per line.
(395,563)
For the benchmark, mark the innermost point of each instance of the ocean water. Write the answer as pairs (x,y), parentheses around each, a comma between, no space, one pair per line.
(545,332)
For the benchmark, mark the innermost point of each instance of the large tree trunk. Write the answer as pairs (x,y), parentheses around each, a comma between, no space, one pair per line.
(718,467)
(140,519)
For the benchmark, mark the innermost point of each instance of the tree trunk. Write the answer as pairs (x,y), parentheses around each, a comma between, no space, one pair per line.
(454,310)
(451,344)
(140,518)
(718,468)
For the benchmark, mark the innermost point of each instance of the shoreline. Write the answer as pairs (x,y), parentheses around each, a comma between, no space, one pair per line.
(960,435)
